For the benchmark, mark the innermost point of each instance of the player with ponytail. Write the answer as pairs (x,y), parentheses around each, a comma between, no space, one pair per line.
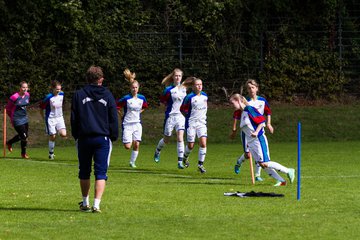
(132,105)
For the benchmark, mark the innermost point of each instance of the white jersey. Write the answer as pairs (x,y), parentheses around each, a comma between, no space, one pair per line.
(173,97)
(53,105)
(260,104)
(194,107)
(132,108)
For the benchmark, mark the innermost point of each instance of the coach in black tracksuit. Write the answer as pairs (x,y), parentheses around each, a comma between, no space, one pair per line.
(94,125)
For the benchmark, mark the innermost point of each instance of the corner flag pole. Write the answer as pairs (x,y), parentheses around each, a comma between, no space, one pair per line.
(299,160)
(252,169)
(4,134)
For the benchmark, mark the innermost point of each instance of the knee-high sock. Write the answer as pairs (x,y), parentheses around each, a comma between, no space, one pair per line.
(180,149)
(51,146)
(257,170)
(187,152)
(160,145)
(202,154)
(277,166)
(241,159)
(134,155)
(272,173)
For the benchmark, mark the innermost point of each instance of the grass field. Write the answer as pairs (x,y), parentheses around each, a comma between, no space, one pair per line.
(158,201)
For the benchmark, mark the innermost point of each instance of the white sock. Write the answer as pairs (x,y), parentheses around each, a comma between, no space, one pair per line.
(257,170)
(277,166)
(180,149)
(187,151)
(51,146)
(160,145)
(241,159)
(97,203)
(202,154)
(85,201)
(272,173)
(134,155)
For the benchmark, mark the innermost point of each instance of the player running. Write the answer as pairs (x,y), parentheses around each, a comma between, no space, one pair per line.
(133,105)
(54,119)
(172,97)
(252,125)
(263,107)
(16,109)
(194,108)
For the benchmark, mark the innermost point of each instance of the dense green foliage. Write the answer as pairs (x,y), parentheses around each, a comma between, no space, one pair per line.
(223,42)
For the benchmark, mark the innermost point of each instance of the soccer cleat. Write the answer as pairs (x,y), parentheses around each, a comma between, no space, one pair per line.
(186,162)
(83,208)
(258,179)
(237,168)
(51,156)
(24,155)
(157,157)
(95,210)
(9,147)
(291,175)
(202,169)
(180,165)
(280,183)
(132,165)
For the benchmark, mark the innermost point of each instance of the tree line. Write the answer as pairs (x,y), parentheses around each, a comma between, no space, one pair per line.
(290,47)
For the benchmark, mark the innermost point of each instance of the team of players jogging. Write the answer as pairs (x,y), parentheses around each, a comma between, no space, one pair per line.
(186,106)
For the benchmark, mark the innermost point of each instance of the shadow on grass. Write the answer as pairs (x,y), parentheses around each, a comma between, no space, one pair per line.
(200,178)
(42,160)
(36,209)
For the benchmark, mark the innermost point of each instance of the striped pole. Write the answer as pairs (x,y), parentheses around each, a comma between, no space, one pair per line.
(4,133)
(299,160)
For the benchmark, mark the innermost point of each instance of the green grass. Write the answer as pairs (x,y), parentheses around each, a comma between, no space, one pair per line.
(319,124)
(158,201)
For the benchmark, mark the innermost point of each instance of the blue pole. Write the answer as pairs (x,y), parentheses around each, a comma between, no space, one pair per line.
(299,160)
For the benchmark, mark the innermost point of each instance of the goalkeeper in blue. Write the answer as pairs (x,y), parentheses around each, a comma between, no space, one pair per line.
(252,125)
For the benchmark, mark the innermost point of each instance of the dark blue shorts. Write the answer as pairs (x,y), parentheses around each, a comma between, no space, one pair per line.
(97,149)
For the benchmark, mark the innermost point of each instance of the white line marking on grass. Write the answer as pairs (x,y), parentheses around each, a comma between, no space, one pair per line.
(333,176)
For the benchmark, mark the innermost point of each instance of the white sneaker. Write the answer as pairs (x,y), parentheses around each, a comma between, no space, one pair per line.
(51,156)
(132,165)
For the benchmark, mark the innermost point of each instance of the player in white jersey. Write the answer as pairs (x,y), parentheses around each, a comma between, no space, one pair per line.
(252,125)
(263,107)
(194,108)
(133,105)
(172,97)
(54,119)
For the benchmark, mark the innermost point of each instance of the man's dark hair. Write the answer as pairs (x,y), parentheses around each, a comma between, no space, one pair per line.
(93,74)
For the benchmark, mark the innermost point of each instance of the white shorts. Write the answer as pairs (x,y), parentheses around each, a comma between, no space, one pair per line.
(259,148)
(53,125)
(196,130)
(176,122)
(131,132)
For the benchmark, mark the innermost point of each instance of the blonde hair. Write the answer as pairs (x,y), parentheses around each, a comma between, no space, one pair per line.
(169,78)
(238,97)
(190,81)
(130,76)
(252,82)
(235,96)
